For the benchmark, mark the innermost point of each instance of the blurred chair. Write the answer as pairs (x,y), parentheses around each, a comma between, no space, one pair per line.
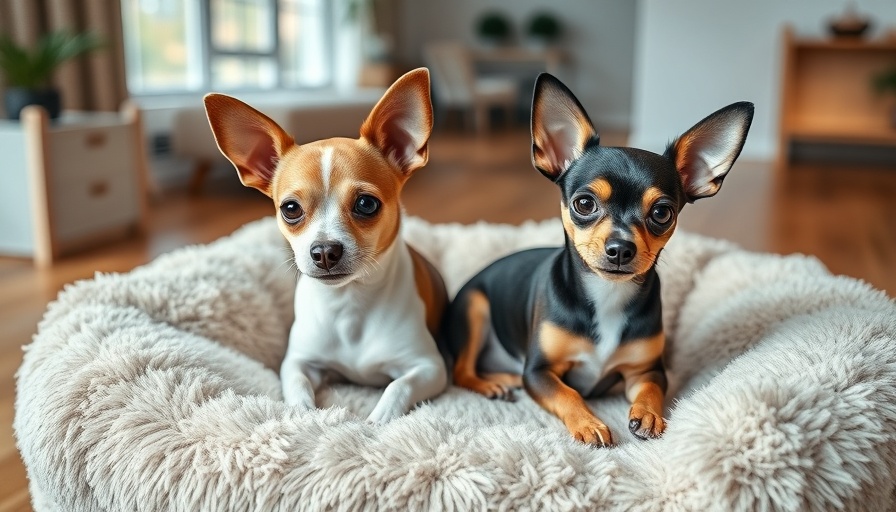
(456,85)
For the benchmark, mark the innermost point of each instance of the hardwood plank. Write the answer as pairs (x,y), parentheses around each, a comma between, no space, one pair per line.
(13,484)
(18,501)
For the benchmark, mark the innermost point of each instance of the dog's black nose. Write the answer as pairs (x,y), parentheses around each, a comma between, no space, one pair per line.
(620,252)
(326,254)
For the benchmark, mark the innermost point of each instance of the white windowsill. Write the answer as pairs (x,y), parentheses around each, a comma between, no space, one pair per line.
(269,97)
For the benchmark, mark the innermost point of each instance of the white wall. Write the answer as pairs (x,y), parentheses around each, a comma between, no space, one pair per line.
(598,39)
(696,56)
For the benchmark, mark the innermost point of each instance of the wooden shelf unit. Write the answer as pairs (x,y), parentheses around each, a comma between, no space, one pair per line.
(826,92)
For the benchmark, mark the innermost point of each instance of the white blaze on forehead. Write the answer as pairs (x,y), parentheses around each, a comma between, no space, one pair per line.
(326,222)
(330,223)
(326,167)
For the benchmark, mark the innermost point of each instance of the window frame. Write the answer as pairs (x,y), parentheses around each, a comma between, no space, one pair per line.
(207,52)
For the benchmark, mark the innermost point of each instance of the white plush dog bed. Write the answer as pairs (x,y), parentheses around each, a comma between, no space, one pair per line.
(157,390)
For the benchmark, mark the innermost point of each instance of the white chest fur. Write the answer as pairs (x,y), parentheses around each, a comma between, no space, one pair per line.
(369,331)
(609,300)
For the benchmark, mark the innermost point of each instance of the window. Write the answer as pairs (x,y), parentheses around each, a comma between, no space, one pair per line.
(185,45)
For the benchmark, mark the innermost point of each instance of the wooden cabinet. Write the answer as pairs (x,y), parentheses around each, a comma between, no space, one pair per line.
(826,93)
(70,183)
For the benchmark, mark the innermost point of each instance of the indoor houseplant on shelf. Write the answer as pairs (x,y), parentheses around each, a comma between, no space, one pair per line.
(493,29)
(885,83)
(28,72)
(543,30)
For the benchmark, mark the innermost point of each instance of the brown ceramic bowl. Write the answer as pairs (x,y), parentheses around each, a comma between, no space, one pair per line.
(849,28)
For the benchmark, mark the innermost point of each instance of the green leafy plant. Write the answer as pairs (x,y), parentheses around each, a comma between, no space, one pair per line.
(354,8)
(493,26)
(885,81)
(545,26)
(33,68)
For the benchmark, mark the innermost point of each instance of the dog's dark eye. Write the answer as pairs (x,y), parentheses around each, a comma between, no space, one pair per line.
(661,214)
(584,206)
(366,206)
(292,211)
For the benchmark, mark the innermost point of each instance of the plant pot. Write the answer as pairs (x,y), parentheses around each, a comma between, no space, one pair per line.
(17,98)
(491,43)
(539,43)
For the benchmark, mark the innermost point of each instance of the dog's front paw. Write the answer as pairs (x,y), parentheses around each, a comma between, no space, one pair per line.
(381,415)
(645,423)
(494,389)
(301,400)
(590,430)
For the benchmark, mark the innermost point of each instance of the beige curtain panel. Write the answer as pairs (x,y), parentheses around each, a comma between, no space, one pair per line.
(92,82)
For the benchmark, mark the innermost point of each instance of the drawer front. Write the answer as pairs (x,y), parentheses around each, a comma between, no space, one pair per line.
(93,181)
(82,155)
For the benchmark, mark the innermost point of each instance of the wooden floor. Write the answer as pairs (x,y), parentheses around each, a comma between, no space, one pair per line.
(844,216)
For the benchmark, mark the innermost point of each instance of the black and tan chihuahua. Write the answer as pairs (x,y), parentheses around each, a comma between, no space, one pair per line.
(570,322)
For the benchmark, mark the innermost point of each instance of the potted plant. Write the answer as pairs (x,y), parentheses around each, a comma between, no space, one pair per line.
(493,29)
(850,23)
(885,82)
(28,72)
(544,29)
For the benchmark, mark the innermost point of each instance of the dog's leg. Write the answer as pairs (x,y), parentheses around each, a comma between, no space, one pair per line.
(646,390)
(300,381)
(491,385)
(640,363)
(508,380)
(546,388)
(421,382)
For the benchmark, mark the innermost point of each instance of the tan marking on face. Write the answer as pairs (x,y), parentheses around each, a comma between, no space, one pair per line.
(650,196)
(590,240)
(356,168)
(363,169)
(649,247)
(636,357)
(645,256)
(602,189)
(299,177)
(648,244)
(431,289)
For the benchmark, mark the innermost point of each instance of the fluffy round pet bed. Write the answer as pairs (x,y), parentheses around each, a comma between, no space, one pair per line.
(158,390)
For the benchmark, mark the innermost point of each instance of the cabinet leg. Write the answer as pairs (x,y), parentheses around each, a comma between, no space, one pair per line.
(200,172)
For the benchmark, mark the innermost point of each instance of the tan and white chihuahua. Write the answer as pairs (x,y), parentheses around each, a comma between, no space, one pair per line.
(367,306)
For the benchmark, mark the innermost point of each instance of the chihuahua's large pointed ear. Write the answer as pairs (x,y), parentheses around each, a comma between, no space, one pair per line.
(706,152)
(561,129)
(401,122)
(249,139)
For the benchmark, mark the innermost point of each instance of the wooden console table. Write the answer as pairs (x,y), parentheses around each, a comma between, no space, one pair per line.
(549,59)
(827,96)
